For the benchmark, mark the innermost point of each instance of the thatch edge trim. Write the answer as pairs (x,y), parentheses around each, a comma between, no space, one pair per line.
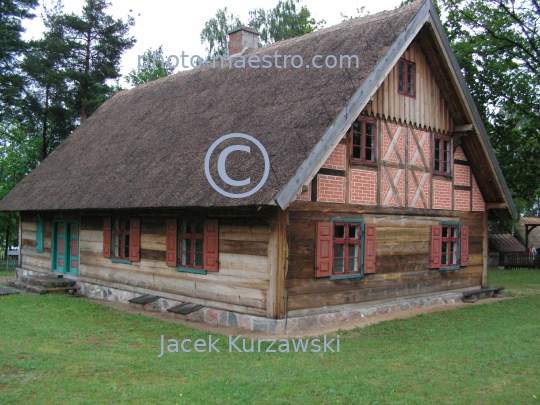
(471,106)
(309,168)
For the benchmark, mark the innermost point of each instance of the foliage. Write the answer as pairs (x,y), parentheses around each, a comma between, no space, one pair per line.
(12,13)
(153,68)
(361,12)
(97,42)
(497,43)
(214,33)
(283,21)
(479,354)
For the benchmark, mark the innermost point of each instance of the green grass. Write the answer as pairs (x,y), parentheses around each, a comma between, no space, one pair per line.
(61,350)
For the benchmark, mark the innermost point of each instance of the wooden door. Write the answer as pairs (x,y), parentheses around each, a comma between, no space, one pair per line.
(73,248)
(66,247)
(60,247)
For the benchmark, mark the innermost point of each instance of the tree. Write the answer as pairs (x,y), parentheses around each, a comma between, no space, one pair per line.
(214,33)
(47,106)
(12,13)
(152,67)
(97,42)
(283,21)
(497,43)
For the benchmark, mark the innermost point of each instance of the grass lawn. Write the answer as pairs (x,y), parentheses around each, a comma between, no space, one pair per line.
(62,350)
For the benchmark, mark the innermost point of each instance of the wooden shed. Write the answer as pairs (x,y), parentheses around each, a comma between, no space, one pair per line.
(380,184)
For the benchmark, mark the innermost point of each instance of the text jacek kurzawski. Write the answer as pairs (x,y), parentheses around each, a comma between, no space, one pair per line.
(241,345)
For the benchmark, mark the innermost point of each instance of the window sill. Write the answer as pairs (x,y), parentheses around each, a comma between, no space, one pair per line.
(403,93)
(363,162)
(347,276)
(120,261)
(188,270)
(450,268)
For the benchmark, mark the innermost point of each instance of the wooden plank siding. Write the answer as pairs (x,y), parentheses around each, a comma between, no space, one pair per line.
(428,110)
(402,258)
(241,284)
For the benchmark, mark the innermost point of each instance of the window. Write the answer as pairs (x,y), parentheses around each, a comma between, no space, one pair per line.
(345,249)
(406,78)
(363,141)
(449,248)
(191,238)
(122,239)
(442,155)
(192,245)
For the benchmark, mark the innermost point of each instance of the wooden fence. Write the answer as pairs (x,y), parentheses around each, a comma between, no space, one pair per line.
(519,260)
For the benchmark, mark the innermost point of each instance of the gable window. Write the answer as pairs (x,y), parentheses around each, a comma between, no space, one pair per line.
(122,239)
(442,155)
(363,141)
(406,78)
(192,245)
(449,248)
(345,249)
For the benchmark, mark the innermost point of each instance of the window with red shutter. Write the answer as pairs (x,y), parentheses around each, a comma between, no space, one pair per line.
(344,250)
(324,259)
(107,237)
(449,247)
(135,239)
(171,243)
(464,245)
(435,247)
(193,245)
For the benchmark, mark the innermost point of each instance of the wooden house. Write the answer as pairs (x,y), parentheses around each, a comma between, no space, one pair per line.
(380,183)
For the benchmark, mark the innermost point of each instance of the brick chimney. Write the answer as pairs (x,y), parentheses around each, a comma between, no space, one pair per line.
(242,37)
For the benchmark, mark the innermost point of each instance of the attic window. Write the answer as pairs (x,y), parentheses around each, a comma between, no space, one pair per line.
(442,155)
(407,78)
(363,142)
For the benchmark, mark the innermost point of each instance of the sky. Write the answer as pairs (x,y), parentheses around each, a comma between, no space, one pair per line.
(177,24)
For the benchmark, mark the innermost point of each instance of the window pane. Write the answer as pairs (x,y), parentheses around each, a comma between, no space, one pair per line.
(445,232)
(369,128)
(354,231)
(352,264)
(186,253)
(356,152)
(116,224)
(198,245)
(199,259)
(339,231)
(185,227)
(339,250)
(117,245)
(338,266)
(454,252)
(357,138)
(199,227)
(369,154)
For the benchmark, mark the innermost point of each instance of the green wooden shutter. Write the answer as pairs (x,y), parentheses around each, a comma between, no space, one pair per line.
(39,235)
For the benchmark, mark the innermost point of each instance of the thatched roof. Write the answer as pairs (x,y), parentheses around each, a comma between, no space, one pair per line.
(146,147)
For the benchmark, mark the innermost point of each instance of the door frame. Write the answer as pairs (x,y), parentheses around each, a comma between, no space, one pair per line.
(67,246)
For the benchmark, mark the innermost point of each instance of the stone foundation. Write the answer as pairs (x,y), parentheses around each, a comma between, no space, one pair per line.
(261,324)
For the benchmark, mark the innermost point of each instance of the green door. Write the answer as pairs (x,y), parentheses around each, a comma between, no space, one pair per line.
(65,256)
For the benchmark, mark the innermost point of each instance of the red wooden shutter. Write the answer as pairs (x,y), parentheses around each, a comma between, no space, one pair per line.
(171,243)
(107,238)
(464,245)
(135,239)
(369,249)
(435,252)
(324,251)
(211,237)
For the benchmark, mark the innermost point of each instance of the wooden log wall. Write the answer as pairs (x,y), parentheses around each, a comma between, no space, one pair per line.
(403,238)
(29,256)
(428,110)
(240,285)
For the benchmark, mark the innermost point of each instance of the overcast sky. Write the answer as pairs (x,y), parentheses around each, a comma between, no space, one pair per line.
(176,25)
